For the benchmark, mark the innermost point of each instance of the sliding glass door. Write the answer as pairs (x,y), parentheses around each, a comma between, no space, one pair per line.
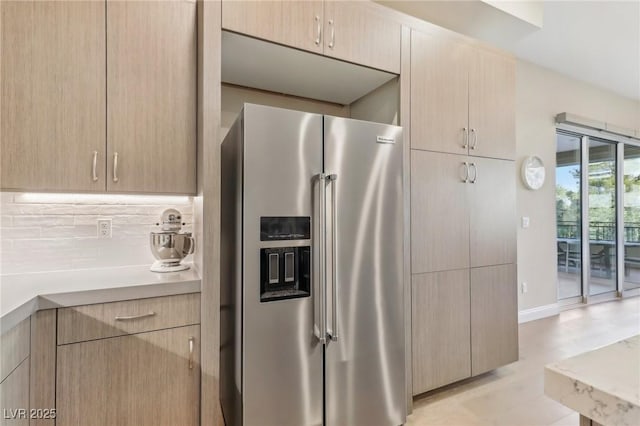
(568,216)
(602,216)
(631,217)
(597,215)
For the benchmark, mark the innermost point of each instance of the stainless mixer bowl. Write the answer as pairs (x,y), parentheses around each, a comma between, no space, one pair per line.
(171,247)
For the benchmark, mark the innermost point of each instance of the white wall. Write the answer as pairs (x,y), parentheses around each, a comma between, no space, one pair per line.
(52,232)
(540,95)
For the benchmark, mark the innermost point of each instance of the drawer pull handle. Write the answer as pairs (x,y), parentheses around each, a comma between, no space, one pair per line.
(191,341)
(333,34)
(133,317)
(115,167)
(319,31)
(94,175)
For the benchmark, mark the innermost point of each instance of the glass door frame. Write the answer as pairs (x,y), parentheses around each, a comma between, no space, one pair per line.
(586,134)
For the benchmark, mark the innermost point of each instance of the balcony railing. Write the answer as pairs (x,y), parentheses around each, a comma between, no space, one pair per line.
(599,231)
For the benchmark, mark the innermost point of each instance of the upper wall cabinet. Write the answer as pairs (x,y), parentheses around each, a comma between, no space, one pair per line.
(151,96)
(92,108)
(463,98)
(356,32)
(52,98)
(293,23)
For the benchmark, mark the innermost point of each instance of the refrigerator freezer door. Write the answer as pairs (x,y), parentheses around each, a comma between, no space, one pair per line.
(364,366)
(282,358)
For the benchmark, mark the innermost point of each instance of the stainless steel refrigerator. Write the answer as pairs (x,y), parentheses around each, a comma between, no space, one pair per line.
(312,322)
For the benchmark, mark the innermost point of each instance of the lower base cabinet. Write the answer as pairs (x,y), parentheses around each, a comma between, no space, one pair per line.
(150,378)
(14,396)
(494,317)
(441,346)
(464,323)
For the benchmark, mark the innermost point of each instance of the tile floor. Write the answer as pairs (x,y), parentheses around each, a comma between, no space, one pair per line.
(514,395)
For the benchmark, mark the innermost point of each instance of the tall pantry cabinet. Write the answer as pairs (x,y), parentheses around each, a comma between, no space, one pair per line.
(463,211)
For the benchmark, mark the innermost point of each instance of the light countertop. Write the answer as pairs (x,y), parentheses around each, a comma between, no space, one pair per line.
(603,384)
(23,294)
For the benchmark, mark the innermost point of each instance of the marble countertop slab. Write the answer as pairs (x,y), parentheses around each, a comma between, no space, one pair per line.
(23,294)
(603,384)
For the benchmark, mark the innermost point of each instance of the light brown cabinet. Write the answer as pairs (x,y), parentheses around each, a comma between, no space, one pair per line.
(439,94)
(14,374)
(357,32)
(494,317)
(141,379)
(463,98)
(81,82)
(440,335)
(492,197)
(293,23)
(135,362)
(440,208)
(14,396)
(463,248)
(492,105)
(151,96)
(52,100)
(463,211)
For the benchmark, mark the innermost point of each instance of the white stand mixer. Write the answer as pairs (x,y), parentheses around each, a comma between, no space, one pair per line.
(169,246)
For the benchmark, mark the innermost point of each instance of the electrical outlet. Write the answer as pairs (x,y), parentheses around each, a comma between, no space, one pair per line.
(525,221)
(104,228)
(525,288)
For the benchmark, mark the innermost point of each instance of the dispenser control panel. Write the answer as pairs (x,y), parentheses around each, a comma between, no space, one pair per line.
(285,228)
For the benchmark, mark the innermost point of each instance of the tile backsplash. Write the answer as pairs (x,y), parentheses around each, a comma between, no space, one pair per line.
(52,232)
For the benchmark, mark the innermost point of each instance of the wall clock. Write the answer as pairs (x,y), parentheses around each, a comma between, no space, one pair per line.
(533,172)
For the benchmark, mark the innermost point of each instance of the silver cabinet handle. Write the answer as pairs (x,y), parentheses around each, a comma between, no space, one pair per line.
(334,247)
(115,166)
(475,172)
(318,30)
(466,138)
(191,342)
(94,175)
(332,42)
(134,317)
(474,132)
(466,172)
(319,242)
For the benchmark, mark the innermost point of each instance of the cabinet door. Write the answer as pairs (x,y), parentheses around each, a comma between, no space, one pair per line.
(14,396)
(440,329)
(492,106)
(359,32)
(52,99)
(142,379)
(439,93)
(292,23)
(302,25)
(492,209)
(439,212)
(494,317)
(151,99)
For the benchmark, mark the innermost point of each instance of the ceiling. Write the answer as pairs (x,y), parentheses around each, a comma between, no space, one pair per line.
(594,41)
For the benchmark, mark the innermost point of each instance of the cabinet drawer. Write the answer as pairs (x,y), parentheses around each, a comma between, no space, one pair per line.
(90,322)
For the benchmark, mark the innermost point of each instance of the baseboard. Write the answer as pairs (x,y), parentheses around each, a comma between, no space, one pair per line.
(538,312)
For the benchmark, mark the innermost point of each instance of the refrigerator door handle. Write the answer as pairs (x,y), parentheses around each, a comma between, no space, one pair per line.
(334,247)
(320,330)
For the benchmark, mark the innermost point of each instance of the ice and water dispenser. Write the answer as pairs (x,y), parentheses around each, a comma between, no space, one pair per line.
(285,272)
